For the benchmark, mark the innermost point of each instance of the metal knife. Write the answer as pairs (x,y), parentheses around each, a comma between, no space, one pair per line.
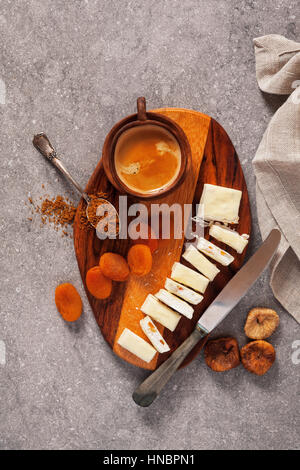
(232,293)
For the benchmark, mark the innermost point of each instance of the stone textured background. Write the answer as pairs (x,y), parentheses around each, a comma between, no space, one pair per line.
(72,69)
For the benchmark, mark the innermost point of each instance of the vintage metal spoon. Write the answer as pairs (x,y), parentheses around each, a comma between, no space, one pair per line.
(43,145)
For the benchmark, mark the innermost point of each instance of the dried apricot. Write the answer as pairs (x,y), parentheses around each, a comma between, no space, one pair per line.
(68,302)
(98,285)
(258,356)
(261,323)
(140,259)
(222,354)
(114,266)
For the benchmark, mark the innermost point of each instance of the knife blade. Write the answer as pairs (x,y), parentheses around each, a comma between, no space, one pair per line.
(228,298)
(237,287)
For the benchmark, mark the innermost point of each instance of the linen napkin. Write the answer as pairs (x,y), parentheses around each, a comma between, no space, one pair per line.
(277,165)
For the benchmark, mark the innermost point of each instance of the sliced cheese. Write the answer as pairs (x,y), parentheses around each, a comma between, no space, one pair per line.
(136,345)
(189,277)
(220,203)
(201,263)
(154,335)
(182,291)
(176,304)
(160,312)
(230,237)
(214,252)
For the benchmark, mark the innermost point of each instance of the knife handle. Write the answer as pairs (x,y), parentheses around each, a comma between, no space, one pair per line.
(146,393)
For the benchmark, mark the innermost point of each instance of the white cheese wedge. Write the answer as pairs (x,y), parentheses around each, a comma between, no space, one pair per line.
(136,345)
(220,204)
(230,237)
(176,304)
(154,335)
(189,277)
(160,312)
(201,263)
(214,252)
(182,291)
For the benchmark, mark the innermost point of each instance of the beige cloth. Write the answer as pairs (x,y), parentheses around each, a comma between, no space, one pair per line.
(277,164)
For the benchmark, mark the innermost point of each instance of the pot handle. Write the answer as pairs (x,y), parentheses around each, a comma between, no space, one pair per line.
(141,109)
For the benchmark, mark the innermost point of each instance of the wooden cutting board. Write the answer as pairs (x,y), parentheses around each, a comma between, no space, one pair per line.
(214,160)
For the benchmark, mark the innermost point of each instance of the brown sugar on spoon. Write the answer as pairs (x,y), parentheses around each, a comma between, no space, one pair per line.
(88,215)
(258,356)
(90,219)
(92,210)
(222,354)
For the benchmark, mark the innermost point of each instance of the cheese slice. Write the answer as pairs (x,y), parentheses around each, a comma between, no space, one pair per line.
(230,237)
(220,204)
(201,263)
(136,345)
(189,277)
(182,291)
(214,252)
(154,335)
(176,304)
(160,312)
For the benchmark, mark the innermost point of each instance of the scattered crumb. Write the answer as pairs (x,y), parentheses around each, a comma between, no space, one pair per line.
(56,212)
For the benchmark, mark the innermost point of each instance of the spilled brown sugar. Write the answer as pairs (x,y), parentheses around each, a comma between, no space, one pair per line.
(56,211)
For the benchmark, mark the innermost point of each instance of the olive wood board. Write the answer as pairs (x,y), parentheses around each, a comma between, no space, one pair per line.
(215,161)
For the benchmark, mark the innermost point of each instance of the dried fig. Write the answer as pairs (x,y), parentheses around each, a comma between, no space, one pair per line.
(222,354)
(261,323)
(258,356)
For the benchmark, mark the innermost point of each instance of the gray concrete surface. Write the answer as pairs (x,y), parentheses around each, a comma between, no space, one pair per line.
(72,69)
